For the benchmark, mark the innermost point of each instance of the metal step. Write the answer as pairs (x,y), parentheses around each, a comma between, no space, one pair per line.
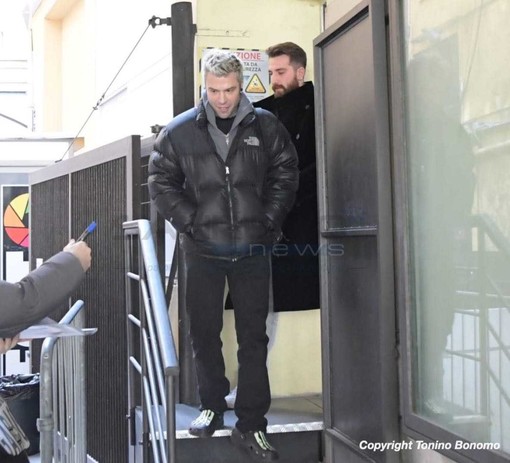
(293,448)
(294,429)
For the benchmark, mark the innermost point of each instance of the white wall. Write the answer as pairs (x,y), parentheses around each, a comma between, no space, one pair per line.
(141,95)
(14,55)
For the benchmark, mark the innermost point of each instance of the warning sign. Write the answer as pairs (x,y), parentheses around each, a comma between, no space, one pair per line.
(255,85)
(256,72)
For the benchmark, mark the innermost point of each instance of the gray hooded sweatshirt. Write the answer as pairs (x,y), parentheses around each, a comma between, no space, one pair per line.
(222,141)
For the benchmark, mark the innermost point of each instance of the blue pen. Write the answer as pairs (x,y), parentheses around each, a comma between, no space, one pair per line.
(92,226)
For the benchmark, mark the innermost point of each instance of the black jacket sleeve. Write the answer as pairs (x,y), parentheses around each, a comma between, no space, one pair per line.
(166,185)
(282,179)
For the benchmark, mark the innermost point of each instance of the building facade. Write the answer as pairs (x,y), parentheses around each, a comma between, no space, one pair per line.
(448,108)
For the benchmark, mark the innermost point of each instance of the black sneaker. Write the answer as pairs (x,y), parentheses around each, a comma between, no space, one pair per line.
(206,423)
(255,444)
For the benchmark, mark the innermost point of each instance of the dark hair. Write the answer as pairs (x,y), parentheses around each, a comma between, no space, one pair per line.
(295,53)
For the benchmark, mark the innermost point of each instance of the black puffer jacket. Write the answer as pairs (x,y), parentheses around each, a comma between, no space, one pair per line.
(226,209)
(295,110)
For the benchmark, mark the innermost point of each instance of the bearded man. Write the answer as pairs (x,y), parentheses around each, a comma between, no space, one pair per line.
(295,262)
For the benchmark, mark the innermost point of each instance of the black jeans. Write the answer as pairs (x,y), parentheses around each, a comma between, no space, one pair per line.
(248,280)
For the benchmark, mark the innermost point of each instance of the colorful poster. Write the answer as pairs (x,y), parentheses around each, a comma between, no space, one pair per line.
(15,231)
(15,264)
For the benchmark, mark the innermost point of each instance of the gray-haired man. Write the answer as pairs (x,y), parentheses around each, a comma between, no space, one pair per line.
(225,175)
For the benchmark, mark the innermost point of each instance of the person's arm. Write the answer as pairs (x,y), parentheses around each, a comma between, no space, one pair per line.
(7,344)
(282,179)
(166,185)
(42,290)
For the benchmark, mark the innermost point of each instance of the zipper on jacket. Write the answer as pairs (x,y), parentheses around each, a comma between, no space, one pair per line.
(229,191)
(230,206)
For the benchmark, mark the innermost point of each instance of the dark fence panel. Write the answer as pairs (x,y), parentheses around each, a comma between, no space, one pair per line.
(49,232)
(102,185)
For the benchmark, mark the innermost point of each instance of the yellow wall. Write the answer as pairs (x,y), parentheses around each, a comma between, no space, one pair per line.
(46,38)
(294,353)
(63,71)
(78,83)
(257,25)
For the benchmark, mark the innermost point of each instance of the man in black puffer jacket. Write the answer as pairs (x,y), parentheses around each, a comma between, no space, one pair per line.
(225,175)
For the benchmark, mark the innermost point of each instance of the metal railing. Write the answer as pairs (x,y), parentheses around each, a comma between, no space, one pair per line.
(480,346)
(152,359)
(63,421)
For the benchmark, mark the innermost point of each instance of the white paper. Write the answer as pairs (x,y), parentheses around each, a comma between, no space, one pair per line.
(50,328)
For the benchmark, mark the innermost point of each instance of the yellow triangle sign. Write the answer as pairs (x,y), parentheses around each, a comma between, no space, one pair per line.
(255,85)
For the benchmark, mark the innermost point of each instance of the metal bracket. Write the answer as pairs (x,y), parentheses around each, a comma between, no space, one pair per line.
(155,129)
(155,21)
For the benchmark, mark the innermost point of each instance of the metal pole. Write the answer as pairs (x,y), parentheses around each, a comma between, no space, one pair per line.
(45,424)
(183,33)
(170,421)
(483,331)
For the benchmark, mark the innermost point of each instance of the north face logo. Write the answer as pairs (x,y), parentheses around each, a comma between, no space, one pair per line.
(252,141)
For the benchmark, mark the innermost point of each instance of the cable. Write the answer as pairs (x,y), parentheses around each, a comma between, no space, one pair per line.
(151,23)
(9,118)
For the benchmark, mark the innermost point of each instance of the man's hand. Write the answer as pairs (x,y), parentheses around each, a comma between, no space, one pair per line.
(81,251)
(8,343)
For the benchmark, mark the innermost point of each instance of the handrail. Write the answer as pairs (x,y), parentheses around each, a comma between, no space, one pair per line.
(486,226)
(162,322)
(156,347)
(487,345)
